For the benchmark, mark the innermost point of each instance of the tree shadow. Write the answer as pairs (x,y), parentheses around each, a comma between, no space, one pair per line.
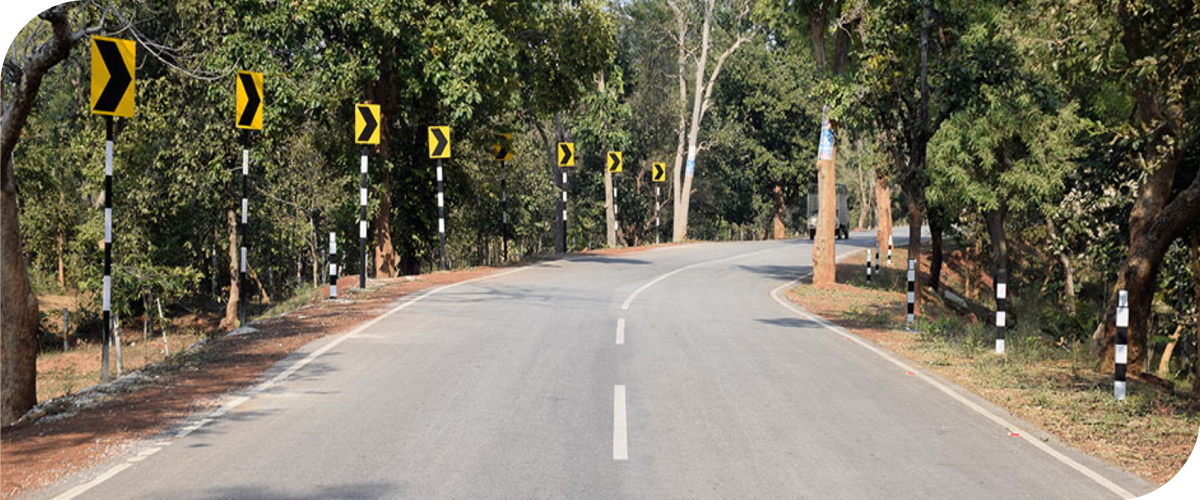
(350,491)
(790,322)
(609,260)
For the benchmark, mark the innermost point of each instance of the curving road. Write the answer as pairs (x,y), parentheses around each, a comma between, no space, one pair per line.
(536,383)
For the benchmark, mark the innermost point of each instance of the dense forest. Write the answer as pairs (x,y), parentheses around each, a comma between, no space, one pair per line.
(1054,141)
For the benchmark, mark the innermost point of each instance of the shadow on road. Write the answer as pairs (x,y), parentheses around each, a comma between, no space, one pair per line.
(356,491)
(790,322)
(609,260)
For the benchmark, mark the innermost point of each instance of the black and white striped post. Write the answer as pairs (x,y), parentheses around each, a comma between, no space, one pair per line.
(1121,350)
(868,264)
(564,210)
(657,211)
(889,250)
(877,259)
(108,243)
(441,219)
(912,290)
(616,212)
(333,267)
(362,218)
(1001,299)
(242,228)
(503,214)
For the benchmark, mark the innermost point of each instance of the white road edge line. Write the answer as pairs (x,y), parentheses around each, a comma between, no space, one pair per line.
(629,300)
(620,435)
(1012,428)
(234,403)
(620,331)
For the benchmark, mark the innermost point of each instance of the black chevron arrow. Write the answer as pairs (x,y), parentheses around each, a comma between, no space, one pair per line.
(440,142)
(566,154)
(371,124)
(118,77)
(501,152)
(659,172)
(616,162)
(253,100)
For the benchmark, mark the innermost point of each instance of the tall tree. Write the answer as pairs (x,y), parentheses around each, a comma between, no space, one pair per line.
(1161,60)
(738,32)
(19,323)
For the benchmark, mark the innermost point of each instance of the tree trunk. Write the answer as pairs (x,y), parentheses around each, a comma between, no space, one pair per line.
(778,230)
(231,307)
(1196,303)
(610,215)
(1068,269)
(864,199)
(1164,363)
(262,290)
(685,193)
(60,238)
(914,198)
(1140,273)
(19,321)
(385,252)
(995,226)
(935,256)
(825,251)
(316,262)
(883,210)
(681,143)
(18,341)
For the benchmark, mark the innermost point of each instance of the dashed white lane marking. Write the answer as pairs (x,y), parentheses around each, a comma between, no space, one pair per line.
(235,402)
(620,436)
(1013,429)
(620,331)
(632,296)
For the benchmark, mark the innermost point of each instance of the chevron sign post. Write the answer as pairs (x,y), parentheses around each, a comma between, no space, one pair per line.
(113,74)
(439,147)
(249,108)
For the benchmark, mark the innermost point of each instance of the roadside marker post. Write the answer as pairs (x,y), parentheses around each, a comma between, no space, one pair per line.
(248,109)
(889,250)
(112,85)
(333,267)
(615,165)
(868,264)
(876,259)
(367,121)
(566,159)
(1001,320)
(242,229)
(439,148)
(503,150)
(658,175)
(1121,350)
(912,294)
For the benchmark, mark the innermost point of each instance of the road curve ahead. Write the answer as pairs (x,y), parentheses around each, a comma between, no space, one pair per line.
(671,373)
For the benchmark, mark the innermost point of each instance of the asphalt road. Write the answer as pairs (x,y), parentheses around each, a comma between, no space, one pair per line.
(537,384)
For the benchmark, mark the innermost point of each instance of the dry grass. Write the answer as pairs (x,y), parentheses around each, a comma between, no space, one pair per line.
(1057,388)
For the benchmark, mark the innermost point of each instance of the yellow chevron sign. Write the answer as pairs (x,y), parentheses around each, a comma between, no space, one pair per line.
(566,154)
(614,161)
(249,100)
(659,172)
(439,141)
(113,76)
(367,119)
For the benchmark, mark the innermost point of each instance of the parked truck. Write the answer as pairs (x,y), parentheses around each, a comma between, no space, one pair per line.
(842,229)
